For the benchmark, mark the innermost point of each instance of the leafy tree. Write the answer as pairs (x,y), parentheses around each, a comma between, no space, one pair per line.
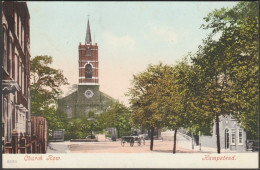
(75,130)
(87,126)
(216,90)
(143,99)
(176,99)
(228,68)
(118,116)
(165,96)
(80,128)
(45,89)
(93,122)
(57,119)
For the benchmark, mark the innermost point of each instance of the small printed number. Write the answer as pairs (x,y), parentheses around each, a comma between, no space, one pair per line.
(11,161)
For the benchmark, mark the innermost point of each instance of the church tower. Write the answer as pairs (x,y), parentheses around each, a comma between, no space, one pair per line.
(88,61)
(87,98)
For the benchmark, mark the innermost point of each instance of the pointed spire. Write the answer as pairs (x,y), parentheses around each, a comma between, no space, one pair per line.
(88,35)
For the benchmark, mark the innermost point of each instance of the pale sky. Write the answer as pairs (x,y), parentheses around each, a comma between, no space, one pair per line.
(130,35)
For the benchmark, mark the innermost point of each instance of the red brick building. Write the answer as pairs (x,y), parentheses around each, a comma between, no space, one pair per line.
(88,61)
(16,113)
(16,69)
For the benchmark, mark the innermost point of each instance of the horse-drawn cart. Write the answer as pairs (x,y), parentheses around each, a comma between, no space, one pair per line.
(132,140)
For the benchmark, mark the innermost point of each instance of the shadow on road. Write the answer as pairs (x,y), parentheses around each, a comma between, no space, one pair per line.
(178,151)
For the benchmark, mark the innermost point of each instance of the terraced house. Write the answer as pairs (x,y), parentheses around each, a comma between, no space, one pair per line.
(17,136)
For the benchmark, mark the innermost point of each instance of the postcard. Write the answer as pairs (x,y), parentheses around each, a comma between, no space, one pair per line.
(130,84)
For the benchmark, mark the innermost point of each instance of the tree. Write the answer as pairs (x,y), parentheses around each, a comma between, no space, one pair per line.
(75,130)
(214,94)
(118,116)
(228,67)
(175,97)
(93,122)
(45,89)
(143,99)
(57,119)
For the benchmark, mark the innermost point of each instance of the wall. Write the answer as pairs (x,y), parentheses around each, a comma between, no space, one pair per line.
(16,58)
(80,105)
(230,124)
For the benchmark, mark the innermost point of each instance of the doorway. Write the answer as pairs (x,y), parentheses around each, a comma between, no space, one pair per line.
(226,139)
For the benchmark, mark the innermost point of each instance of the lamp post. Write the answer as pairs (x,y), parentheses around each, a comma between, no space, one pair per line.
(199,141)
(91,119)
(192,138)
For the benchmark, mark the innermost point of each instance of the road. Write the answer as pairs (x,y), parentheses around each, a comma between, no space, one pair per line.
(160,146)
(113,147)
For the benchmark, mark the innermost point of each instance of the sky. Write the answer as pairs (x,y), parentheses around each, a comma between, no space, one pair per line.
(130,36)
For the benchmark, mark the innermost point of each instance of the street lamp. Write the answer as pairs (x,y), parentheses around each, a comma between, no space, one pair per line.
(91,119)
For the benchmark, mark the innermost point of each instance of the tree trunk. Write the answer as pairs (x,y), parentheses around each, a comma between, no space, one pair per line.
(117,132)
(174,140)
(217,131)
(152,132)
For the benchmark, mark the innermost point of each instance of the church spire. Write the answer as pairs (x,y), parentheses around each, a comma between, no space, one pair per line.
(88,35)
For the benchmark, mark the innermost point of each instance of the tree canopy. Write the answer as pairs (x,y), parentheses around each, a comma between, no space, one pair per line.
(117,116)
(236,53)
(228,65)
(45,89)
(221,80)
(143,99)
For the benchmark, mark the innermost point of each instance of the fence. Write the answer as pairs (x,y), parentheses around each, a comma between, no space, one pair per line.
(34,143)
(252,145)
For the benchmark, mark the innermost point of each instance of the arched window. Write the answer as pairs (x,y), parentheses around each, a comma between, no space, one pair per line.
(69,112)
(88,71)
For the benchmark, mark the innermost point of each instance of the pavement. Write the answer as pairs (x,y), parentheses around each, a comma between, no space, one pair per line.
(185,141)
(58,147)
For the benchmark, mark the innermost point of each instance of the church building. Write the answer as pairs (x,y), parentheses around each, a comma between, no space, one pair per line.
(87,97)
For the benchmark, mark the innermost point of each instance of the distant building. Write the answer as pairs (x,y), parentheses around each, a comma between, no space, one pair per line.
(87,97)
(232,135)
